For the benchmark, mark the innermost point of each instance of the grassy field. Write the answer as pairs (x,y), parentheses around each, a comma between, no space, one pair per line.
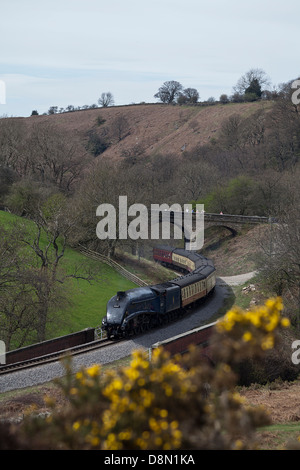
(279,436)
(87,300)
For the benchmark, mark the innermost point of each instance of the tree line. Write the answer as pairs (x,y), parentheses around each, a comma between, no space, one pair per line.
(251,86)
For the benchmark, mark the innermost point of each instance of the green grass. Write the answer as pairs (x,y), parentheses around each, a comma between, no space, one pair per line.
(279,436)
(87,300)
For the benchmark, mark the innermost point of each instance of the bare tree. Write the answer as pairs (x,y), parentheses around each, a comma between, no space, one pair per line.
(13,143)
(169,91)
(189,95)
(34,287)
(197,178)
(55,158)
(23,290)
(279,261)
(106,99)
(119,128)
(253,76)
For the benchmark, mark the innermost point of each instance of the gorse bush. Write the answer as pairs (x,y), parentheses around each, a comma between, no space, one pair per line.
(250,333)
(166,402)
(264,354)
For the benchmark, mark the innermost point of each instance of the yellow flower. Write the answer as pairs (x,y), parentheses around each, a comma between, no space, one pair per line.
(285,322)
(117,384)
(238,444)
(94,370)
(95,441)
(268,342)
(174,424)
(163,413)
(49,400)
(164,425)
(76,425)
(238,398)
(255,318)
(124,435)
(131,373)
(270,303)
(168,390)
(247,336)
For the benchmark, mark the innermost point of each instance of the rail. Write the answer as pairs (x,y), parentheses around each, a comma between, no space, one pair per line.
(210,216)
(242,219)
(56,356)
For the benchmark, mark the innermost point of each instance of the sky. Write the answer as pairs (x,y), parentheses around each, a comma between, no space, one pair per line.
(68,52)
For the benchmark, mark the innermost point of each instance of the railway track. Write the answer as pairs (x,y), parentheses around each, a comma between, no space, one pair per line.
(75,350)
(55,356)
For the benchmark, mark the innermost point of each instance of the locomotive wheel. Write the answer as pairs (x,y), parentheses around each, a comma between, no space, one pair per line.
(108,332)
(125,333)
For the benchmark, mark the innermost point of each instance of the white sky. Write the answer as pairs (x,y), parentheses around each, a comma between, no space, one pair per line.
(62,52)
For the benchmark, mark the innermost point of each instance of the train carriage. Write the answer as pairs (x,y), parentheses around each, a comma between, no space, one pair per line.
(141,308)
(163,254)
(196,285)
(185,259)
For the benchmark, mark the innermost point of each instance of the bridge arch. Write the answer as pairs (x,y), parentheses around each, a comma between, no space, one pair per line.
(231,222)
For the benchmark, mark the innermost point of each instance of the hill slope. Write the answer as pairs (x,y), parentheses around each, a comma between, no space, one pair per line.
(87,300)
(150,128)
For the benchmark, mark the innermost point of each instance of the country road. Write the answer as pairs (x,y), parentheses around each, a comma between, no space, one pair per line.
(237,280)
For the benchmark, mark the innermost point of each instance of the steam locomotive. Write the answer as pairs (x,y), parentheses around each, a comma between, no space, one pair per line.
(139,309)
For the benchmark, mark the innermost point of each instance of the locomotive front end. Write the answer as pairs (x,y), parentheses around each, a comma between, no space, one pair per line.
(115,312)
(131,312)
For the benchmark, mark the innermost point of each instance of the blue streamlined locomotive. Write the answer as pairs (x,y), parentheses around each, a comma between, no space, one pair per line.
(139,309)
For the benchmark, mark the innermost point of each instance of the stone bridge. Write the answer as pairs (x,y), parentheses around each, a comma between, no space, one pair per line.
(205,220)
(233,222)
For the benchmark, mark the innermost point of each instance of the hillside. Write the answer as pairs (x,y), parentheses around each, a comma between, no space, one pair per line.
(86,300)
(151,128)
